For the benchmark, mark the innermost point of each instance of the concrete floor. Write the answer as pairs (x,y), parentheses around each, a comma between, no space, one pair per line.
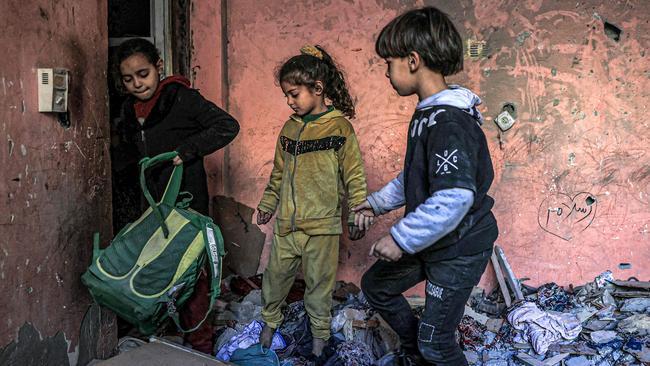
(161,353)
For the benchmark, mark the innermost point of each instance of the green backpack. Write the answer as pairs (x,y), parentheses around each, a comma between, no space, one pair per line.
(151,266)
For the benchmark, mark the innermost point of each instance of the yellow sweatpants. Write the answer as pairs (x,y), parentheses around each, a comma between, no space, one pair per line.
(319,256)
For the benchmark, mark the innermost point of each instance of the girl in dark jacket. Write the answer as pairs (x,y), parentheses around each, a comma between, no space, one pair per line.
(167,115)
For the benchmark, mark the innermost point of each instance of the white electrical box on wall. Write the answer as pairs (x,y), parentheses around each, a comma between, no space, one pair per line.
(53,90)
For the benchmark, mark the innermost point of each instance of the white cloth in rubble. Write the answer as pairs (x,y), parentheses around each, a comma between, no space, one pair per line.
(543,328)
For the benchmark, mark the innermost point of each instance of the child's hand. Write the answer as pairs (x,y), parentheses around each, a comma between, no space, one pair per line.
(363,215)
(386,249)
(355,233)
(263,217)
(177,160)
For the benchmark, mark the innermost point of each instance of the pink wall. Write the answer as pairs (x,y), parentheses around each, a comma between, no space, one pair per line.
(207,68)
(581,126)
(55,182)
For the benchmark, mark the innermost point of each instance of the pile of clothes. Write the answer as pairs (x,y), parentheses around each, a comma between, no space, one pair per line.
(603,323)
(359,336)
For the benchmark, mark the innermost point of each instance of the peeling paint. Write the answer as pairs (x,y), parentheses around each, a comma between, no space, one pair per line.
(46,213)
(31,349)
(11,144)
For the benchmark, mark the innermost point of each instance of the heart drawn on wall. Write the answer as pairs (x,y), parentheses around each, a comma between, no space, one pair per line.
(564,216)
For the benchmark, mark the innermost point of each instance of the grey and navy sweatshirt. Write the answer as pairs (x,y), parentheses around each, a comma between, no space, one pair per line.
(446,177)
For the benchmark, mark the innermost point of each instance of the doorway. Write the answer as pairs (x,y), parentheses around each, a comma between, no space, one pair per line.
(164,23)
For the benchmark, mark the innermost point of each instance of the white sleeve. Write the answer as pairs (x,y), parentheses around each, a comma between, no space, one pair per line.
(439,215)
(390,197)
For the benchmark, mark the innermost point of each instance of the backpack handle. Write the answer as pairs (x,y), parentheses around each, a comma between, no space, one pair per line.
(172,189)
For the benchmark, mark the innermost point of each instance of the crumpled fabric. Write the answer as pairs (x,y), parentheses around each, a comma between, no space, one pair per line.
(294,314)
(296,331)
(255,355)
(343,320)
(351,353)
(542,328)
(472,334)
(249,336)
(604,278)
(226,335)
(553,297)
(342,326)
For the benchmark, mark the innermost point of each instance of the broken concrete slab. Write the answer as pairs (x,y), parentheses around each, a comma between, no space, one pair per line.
(243,240)
(638,324)
(645,285)
(502,281)
(637,305)
(508,273)
(596,324)
(578,361)
(476,316)
(494,324)
(530,360)
(603,336)
(98,336)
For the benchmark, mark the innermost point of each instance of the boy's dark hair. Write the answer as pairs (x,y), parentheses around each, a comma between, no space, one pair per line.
(427,31)
(127,49)
(306,69)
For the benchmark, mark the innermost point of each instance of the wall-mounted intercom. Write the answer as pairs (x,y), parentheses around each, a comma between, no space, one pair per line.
(53,90)
(507,117)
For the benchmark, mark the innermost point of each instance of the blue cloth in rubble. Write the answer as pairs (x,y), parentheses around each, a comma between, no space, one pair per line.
(249,336)
(255,355)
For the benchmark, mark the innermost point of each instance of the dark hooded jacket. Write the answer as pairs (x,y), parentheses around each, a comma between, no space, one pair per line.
(183,121)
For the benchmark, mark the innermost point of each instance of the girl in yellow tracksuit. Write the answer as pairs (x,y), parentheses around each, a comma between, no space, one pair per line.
(317,161)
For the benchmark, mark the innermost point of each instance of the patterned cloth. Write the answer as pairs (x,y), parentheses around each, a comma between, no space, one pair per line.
(351,353)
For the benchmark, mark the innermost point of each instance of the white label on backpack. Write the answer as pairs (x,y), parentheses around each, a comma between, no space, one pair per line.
(214,252)
(211,240)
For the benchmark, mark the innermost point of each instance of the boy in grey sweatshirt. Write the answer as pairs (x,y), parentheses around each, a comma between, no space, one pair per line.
(448,230)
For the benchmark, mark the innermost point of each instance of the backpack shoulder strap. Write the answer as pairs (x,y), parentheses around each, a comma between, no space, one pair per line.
(215,251)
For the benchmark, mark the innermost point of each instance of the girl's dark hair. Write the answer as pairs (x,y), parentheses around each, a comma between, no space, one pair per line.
(127,49)
(307,69)
(427,31)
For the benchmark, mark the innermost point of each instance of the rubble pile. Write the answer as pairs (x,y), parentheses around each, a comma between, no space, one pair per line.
(605,322)
(595,324)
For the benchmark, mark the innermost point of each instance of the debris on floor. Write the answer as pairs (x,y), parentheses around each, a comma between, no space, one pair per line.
(603,323)
(586,325)
(157,352)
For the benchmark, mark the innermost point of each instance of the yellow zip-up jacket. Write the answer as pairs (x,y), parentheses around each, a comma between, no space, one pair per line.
(315,164)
